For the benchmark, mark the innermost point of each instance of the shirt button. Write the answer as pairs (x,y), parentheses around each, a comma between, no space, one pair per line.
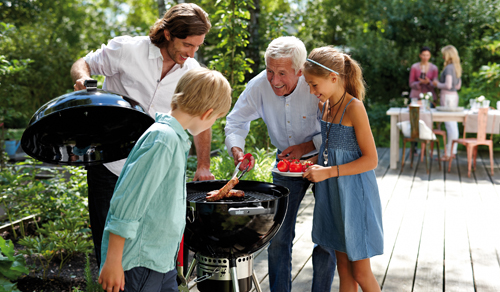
(288,122)
(289,136)
(287,104)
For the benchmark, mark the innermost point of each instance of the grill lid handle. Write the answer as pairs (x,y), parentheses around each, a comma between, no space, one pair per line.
(91,84)
(245,211)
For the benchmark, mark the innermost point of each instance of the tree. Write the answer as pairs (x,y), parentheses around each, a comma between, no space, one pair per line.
(233,38)
(53,34)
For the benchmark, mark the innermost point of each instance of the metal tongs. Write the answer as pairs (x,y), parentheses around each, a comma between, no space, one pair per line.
(235,173)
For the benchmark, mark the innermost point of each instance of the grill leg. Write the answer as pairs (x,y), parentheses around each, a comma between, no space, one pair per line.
(234,275)
(256,281)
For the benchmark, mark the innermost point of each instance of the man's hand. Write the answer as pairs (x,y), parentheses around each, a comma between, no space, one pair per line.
(203,173)
(112,277)
(80,83)
(295,151)
(80,71)
(238,156)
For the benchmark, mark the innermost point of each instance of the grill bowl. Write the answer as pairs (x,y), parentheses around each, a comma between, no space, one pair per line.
(233,227)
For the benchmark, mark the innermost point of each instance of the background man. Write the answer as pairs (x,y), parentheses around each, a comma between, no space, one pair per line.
(280,96)
(147,69)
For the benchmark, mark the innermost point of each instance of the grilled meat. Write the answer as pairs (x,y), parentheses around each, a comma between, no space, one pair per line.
(225,192)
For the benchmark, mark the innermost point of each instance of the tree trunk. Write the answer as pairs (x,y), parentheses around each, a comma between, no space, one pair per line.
(252,50)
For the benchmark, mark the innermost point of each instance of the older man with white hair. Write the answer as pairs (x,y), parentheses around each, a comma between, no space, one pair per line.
(280,96)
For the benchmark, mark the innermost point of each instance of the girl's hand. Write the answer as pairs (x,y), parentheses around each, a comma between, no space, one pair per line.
(112,277)
(316,173)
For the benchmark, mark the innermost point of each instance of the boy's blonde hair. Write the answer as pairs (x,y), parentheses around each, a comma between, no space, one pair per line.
(450,55)
(349,70)
(202,89)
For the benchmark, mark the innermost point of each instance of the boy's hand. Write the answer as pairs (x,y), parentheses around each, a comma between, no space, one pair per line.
(112,277)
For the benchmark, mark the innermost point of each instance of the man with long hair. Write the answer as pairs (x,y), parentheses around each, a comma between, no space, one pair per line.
(147,69)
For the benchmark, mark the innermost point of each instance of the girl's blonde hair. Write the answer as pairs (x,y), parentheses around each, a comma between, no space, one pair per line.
(450,55)
(202,89)
(349,70)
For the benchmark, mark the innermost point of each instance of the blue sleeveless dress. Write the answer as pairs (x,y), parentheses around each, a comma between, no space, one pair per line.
(347,211)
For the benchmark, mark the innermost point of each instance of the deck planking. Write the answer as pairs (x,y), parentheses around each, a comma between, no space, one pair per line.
(440,229)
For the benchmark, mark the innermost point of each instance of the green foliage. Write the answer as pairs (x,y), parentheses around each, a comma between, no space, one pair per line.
(17,187)
(11,266)
(60,204)
(233,37)
(222,166)
(14,97)
(487,81)
(64,237)
(14,134)
(329,22)
(53,34)
(92,285)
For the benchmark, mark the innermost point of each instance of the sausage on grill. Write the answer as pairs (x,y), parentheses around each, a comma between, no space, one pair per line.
(225,192)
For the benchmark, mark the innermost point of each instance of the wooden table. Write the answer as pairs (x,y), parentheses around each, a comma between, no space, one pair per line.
(437,116)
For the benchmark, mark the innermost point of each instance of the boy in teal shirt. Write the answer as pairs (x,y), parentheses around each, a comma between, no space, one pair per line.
(147,214)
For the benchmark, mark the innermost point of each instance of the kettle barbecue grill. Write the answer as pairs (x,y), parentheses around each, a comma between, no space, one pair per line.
(225,234)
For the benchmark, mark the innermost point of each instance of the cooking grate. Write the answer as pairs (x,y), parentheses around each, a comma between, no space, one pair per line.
(250,197)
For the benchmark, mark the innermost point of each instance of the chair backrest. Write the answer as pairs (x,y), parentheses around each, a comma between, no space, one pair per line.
(482,122)
(414,118)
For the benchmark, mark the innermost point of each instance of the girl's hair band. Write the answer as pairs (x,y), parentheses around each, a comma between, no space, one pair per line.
(323,66)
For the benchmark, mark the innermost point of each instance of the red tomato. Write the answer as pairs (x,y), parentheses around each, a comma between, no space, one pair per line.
(305,165)
(295,166)
(283,166)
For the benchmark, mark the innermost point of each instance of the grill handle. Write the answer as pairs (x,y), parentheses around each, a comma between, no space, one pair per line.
(190,214)
(245,211)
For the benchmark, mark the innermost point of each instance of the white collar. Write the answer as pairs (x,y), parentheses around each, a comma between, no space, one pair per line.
(154,51)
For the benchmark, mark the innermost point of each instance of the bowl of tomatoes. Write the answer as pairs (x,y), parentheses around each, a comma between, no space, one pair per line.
(293,167)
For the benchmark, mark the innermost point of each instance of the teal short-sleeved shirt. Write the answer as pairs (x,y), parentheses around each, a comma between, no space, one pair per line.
(148,207)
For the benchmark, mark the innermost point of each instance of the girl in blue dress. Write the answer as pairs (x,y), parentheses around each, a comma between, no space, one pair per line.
(347,214)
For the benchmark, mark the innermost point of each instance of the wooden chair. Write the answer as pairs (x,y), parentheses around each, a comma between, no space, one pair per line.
(415,137)
(472,143)
(437,132)
(442,133)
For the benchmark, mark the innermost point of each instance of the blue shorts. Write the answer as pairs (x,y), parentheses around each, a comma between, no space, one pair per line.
(142,279)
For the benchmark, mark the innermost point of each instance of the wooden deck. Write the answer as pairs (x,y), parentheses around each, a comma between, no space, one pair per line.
(442,230)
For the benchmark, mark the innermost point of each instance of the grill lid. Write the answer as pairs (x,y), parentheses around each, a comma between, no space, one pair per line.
(85,127)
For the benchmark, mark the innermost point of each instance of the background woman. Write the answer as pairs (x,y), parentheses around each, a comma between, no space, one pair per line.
(421,75)
(449,83)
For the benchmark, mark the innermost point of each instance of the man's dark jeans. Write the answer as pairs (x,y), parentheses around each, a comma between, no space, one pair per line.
(101,183)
